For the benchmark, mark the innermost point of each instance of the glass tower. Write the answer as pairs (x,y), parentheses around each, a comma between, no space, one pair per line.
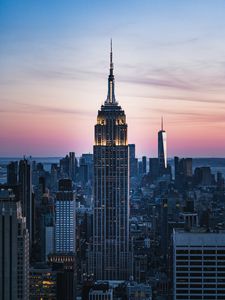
(110,256)
(162,151)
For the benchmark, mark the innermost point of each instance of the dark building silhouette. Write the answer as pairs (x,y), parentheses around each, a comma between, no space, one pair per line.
(86,168)
(72,166)
(133,161)
(220,181)
(140,169)
(164,229)
(144,165)
(14,249)
(65,166)
(64,265)
(88,283)
(27,200)
(203,176)
(153,168)
(65,185)
(12,173)
(183,172)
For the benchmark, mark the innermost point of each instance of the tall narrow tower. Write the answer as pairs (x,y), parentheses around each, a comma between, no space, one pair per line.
(162,152)
(110,256)
(65,235)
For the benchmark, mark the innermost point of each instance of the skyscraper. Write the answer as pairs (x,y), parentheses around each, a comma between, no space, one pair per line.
(72,166)
(162,151)
(110,256)
(12,170)
(25,181)
(144,165)
(133,161)
(65,232)
(65,241)
(14,249)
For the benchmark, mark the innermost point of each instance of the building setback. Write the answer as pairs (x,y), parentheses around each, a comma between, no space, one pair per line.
(110,256)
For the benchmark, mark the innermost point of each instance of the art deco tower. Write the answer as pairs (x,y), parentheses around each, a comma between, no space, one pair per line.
(162,152)
(110,256)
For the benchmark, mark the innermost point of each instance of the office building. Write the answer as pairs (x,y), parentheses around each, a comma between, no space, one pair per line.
(64,266)
(27,201)
(162,150)
(12,173)
(153,168)
(133,162)
(144,165)
(14,249)
(110,256)
(183,172)
(72,166)
(198,265)
(140,168)
(65,227)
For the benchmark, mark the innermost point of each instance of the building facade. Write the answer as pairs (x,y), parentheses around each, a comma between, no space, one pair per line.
(25,181)
(162,150)
(110,256)
(14,249)
(198,265)
(65,227)
(101,291)
(133,161)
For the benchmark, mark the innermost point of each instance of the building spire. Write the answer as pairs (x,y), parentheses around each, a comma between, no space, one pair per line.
(111,85)
(162,123)
(111,58)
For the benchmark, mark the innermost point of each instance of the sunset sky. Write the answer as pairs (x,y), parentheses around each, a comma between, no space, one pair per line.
(169,60)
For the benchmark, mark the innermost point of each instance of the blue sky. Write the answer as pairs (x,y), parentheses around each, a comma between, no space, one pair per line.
(169,59)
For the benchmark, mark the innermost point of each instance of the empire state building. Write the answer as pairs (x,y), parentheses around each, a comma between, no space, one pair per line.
(110,256)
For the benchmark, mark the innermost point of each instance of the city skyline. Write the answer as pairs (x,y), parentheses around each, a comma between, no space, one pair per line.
(169,61)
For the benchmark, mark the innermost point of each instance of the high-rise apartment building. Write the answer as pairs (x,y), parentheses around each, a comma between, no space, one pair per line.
(65,226)
(198,265)
(14,249)
(110,256)
(162,150)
